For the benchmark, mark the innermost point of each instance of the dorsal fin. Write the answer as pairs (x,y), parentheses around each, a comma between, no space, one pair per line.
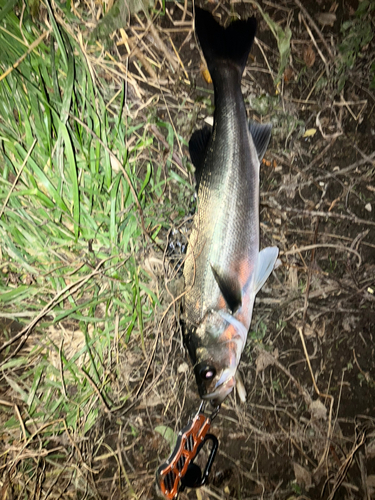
(261,134)
(230,288)
(197,149)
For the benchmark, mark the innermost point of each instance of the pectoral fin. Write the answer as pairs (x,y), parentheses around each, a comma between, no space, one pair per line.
(230,288)
(266,261)
(261,134)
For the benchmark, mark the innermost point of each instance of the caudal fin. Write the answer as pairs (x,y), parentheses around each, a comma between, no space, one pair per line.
(219,44)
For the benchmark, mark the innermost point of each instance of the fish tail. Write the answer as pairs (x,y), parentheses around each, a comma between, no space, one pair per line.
(224,45)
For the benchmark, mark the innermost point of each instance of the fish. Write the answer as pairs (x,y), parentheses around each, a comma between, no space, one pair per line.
(224,269)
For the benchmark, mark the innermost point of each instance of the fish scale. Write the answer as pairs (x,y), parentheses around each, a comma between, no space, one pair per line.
(226,197)
(224,269)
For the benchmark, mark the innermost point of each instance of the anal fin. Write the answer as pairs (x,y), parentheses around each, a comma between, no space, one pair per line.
(261,134)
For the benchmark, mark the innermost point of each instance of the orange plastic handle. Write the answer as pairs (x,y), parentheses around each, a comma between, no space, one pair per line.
(174,469)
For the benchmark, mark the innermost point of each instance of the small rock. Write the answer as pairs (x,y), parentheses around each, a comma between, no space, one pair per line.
(318,410)
(303,476)
(183,368)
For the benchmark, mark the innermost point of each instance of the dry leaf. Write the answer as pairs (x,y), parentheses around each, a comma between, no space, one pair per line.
(288,74)
(309,56)
(240,388)
(150,401)
(310,132)
(289,185)
(303,476)
(318,410)
(308,330)
(370,449)
(371,484)
(206,74)
(115,164)
(73,341)
(265,359)
(326,18)
(320,327)
(325,122)
(265,162)
(154,266)
(183,368)
(333,7)
(293,277)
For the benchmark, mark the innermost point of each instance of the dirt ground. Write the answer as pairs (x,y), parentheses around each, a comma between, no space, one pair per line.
(307,428)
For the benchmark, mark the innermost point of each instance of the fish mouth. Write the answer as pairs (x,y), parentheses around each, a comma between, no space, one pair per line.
(222,390)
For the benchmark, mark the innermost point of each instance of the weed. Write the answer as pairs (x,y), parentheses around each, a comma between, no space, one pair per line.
(283,38)
(76,182)
(357,34)
(260,331)
(284,124)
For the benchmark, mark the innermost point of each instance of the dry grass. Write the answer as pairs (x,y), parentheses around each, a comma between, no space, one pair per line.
(307,430)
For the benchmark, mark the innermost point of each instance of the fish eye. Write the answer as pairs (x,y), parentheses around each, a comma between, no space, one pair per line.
(207,372)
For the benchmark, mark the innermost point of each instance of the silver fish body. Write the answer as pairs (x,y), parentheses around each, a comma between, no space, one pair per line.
(224,269)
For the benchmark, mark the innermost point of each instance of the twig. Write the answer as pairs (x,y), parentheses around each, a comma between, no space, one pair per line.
(156,342)
(314,213)
(327,235)
(259,45)
(62,295)
(345,170)
(72,442)
(362,467)
(29,50)
(365,375)
(61,368)
(162,47)
(343,470)
(320,127)
(44,452)
(366,157)
(179,59)
(136,52)
(301,333)
(22,424)
(324,245)
(319,156)
(320,394)
(96,389)
(161,138)
(271,360)
(318,32)
(128,482)
(316,45)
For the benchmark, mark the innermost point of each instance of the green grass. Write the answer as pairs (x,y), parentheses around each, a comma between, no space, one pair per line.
(73,198)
